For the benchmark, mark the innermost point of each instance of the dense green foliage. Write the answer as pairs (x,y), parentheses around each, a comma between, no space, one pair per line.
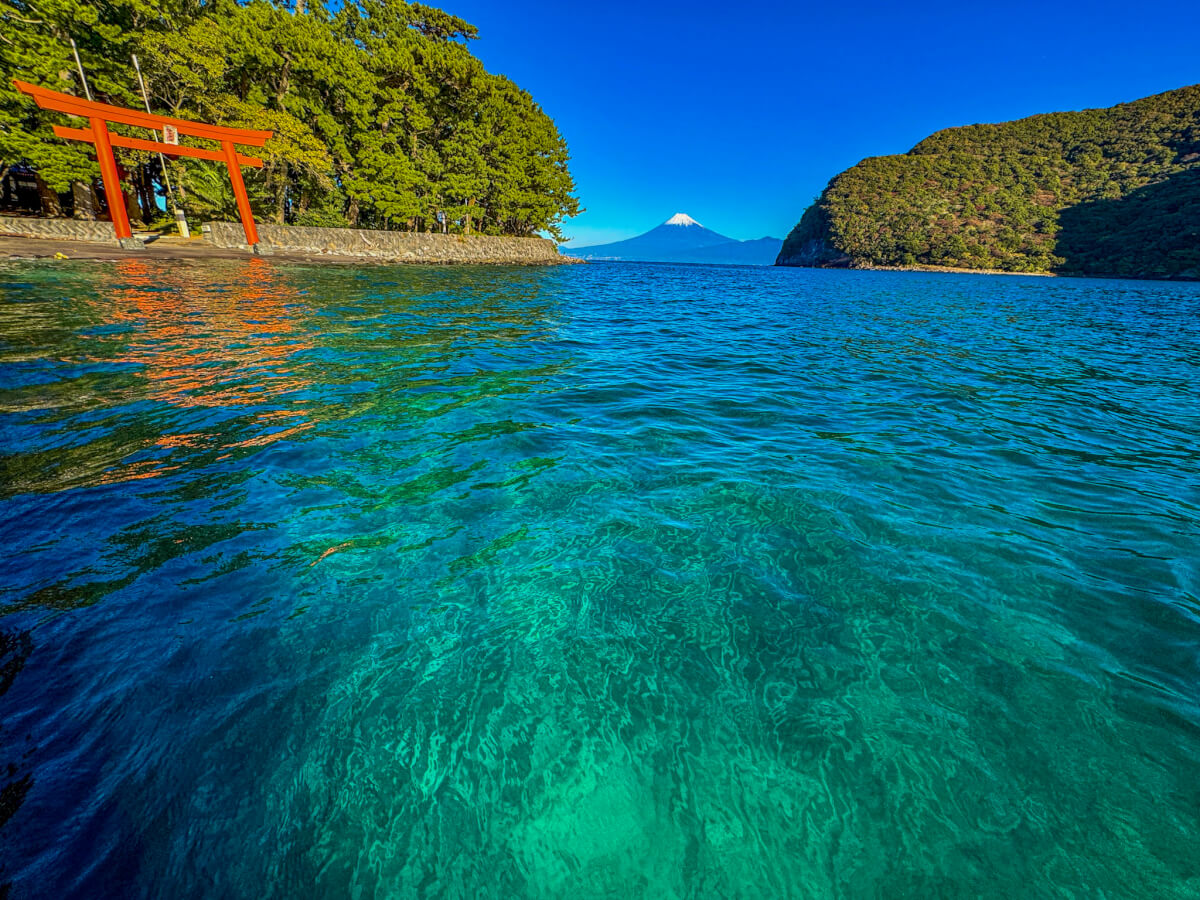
(1035,195)
(382,115)
(1153,232)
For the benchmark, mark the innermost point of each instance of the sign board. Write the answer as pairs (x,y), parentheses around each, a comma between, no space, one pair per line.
(171,135)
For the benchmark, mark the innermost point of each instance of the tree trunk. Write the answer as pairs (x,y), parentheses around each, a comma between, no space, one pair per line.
(352,213)
(131,207)
(85,200)
(51,208)
(281,190)
(145,193)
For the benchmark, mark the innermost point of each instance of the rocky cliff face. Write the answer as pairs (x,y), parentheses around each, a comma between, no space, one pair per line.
(814,253)
(811,243)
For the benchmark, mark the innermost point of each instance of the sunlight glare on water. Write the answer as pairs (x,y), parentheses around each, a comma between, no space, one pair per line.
(597,581)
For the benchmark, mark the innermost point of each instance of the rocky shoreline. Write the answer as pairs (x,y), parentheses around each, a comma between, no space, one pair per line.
(72,239)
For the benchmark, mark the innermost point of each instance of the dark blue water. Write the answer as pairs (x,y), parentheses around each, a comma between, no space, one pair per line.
(604,581)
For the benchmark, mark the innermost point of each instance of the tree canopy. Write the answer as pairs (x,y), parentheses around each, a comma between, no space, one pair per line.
(1034,195)
(382,116)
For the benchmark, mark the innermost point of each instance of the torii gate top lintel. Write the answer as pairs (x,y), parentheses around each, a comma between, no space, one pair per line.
(100,114)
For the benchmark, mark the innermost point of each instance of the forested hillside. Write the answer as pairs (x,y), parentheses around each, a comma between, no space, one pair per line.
(1104,191)
(382,115)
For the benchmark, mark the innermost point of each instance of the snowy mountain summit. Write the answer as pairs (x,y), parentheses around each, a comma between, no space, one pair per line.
(681,219)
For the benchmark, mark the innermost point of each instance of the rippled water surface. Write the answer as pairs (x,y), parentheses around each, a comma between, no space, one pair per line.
(599,581)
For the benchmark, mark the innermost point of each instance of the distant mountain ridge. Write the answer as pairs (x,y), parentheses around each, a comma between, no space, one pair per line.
(1111,191)
(682,239)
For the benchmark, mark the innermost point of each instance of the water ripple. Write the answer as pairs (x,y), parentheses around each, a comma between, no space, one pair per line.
(596,581)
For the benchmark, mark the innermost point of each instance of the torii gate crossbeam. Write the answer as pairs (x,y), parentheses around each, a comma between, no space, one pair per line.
(99,115)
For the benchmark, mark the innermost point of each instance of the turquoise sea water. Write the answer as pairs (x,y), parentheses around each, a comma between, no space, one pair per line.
(605,581)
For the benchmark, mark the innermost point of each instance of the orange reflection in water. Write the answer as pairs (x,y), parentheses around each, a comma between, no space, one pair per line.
(204,347)
(212,338)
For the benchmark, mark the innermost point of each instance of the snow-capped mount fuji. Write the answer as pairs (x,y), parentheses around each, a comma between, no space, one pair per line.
(680,233)
(682,239)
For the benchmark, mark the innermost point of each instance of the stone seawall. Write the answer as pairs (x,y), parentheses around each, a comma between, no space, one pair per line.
(390,246)
(63,229)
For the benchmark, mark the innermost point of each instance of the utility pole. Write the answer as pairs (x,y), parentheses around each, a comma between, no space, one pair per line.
(82,78)
(88,210)
(180,220)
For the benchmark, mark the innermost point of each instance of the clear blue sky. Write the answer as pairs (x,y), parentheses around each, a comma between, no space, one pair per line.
(739,113)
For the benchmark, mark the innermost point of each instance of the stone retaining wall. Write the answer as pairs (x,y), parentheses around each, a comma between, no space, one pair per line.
(64,229)
(391,246)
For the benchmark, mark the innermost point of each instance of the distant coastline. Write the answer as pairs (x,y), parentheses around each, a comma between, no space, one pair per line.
(950,270)
(959,270)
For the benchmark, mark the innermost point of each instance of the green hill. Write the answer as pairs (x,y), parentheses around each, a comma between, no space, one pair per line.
(1099,192)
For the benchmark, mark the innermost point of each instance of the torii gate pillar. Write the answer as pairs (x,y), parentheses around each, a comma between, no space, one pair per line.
(111,179)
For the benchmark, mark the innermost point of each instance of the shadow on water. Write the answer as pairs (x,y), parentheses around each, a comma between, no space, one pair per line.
(15,779)
(1151,232)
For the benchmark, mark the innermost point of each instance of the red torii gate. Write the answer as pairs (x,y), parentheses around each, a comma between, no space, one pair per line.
(100,114)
